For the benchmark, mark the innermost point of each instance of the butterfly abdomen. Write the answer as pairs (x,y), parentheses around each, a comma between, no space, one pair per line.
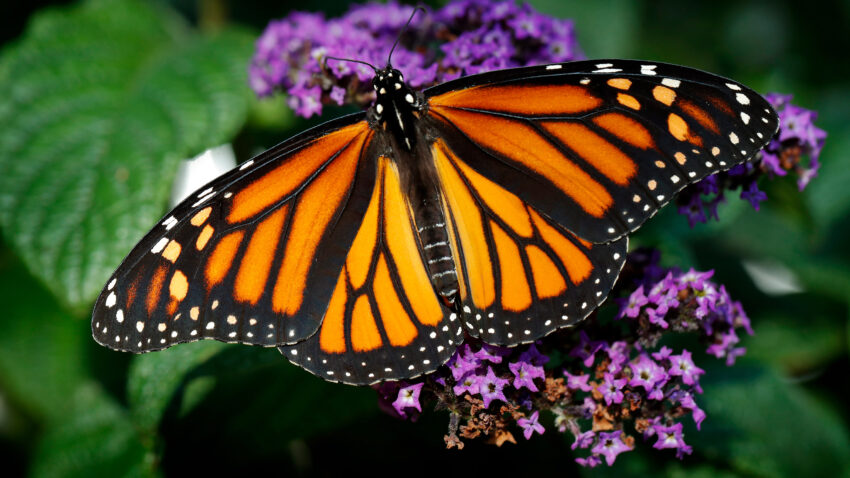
(437,253)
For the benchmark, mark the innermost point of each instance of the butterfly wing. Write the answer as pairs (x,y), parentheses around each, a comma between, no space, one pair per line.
(522,275)
(599,146)
(251,258)
(384,321)
(546,169)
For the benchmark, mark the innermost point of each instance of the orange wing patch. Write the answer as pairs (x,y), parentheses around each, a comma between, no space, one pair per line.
(257,262)
(383,297)
(221,259)
(523,145)
(528,100)
(277,184)
(601,154)
(313,211)
(516,293)
(332,333)
(626,129)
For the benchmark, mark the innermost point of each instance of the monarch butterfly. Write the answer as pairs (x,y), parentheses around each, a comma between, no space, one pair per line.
(496,205)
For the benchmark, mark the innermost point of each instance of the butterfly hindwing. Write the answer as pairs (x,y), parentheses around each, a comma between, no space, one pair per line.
(251,258)
(523,275)
(600,146)
(384,320)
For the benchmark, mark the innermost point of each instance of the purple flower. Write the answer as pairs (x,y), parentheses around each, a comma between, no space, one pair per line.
(646,373)
(631,307)
(578,382)
(618,353)
(612,389)
(754,195)
(490,387)
(656,317)
(610,445)
(589,462)
(533,356)
(467,384)
(491,353)
(694,278)
(682,366)
(408,397)
(530,425)
(663,354)
(462,38)
(668,437)
(584,440)
(586,349)
(525,373)
(463,362)
(671,437)
(686,400)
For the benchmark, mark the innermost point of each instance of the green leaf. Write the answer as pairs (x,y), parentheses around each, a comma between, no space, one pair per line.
(764,426)
(41,347)
(255,402)
(96,439)
(101,101)
(619,19)
(797,346)
(154,379)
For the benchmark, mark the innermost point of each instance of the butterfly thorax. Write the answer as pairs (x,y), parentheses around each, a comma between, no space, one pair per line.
(395,106)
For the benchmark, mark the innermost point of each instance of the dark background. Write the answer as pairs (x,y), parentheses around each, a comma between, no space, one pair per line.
(71,408)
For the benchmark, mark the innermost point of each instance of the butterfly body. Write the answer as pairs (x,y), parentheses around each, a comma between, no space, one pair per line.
(496,206)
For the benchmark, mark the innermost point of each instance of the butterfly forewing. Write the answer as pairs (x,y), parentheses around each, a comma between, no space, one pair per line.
(600,146)
(250,258)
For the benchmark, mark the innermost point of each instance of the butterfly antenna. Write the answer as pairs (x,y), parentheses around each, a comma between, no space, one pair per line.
(349,59)
(415,10)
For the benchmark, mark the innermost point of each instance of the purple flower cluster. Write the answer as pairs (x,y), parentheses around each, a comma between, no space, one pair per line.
(464,37)
(684,301)
(798,138)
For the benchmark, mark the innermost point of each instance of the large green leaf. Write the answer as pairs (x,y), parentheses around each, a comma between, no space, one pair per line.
(250,394)
(764,426)
(41,347)
(155,378)
(96,439)
(100,102)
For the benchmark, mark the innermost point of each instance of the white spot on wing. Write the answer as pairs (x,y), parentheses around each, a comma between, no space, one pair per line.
(160,245)
(554,67)
(169,223)
(246,165)
(672,83)
(110,299)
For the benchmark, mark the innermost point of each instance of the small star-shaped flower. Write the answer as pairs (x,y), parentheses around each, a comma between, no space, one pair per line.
(530,425)
(525,373)
(408,397)
(610,445)
(490,387)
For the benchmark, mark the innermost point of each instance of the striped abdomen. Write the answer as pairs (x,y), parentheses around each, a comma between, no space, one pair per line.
(433,236)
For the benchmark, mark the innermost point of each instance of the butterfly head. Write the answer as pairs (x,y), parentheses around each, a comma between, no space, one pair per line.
(393,94)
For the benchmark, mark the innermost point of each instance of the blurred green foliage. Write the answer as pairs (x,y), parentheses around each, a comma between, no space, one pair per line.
(101,99)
